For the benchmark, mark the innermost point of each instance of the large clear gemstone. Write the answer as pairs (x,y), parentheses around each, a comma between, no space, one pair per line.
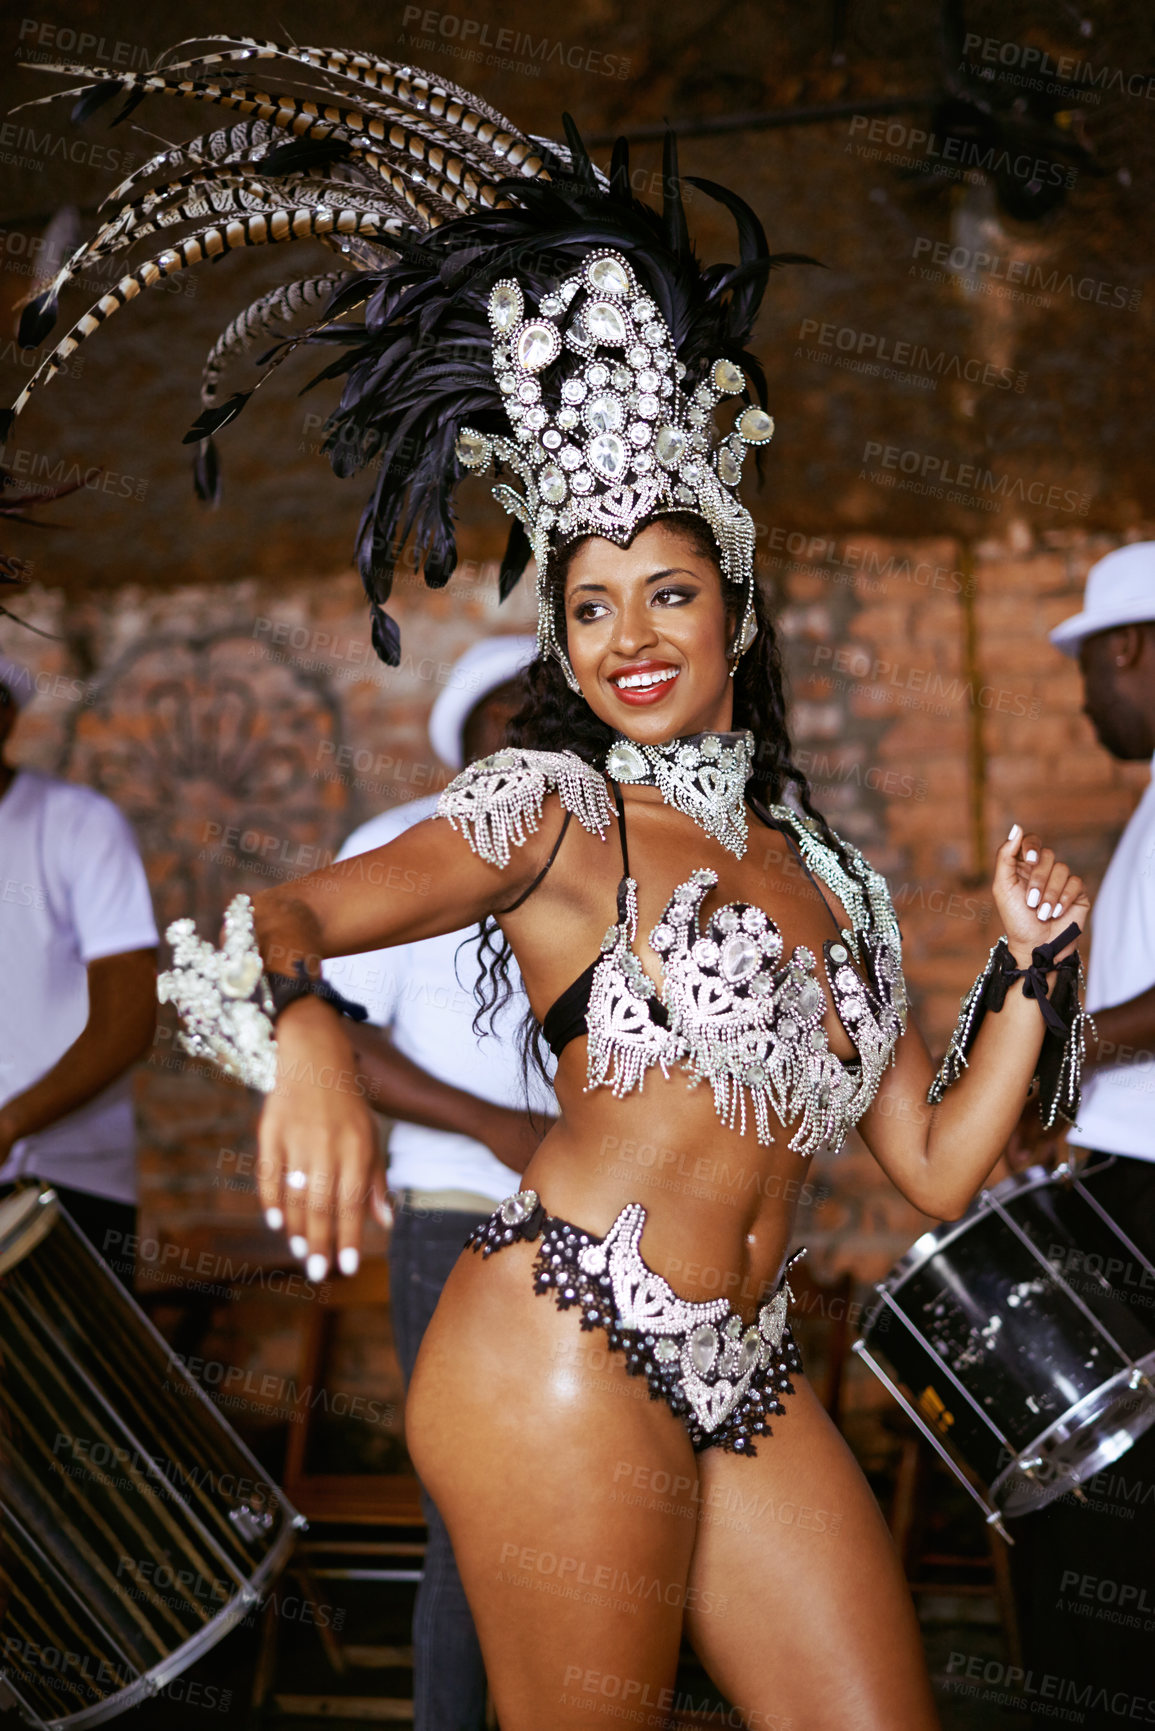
(567,418)
(604,322)
(640,432)
(626,763)
(609,276)
(569,456)
(648,379)
(740,957)
(809,1000)
(551,438)
(751,1344)
(506,307)
(529,390)
(603,414)
(471,449)
(574,390)
(551,484)
(582,481)
(517,1208)
(638,356)
(670,446)
(703,1348)
(756,426)
(728,378)
(537,345)
(838,953)
(729,468)
(607,452)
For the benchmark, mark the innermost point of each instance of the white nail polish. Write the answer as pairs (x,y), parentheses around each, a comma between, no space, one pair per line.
(274,1219)
(1045,911)
(298,1245)
(1016,832)
(1057,910)
(1032,856)
(317,1266)
(1033,898)
(348,1260)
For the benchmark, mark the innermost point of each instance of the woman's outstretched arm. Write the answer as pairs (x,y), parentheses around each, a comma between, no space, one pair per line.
(317,1160)
(938,1156)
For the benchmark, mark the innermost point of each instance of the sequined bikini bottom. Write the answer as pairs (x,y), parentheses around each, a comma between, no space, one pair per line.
(721,1378)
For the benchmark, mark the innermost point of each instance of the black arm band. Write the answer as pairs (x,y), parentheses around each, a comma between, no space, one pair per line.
(285,989)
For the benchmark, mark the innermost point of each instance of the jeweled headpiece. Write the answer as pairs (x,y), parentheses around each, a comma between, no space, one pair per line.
(521,309)
(616,440)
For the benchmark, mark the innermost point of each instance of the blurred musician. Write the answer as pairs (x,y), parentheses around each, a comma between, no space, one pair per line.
(1079,1564)
(78,1004)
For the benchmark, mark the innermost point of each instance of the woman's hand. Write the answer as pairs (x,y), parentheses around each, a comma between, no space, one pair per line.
(317,1147)
(1037,896)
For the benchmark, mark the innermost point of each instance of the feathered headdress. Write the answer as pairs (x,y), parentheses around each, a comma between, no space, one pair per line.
(518,307)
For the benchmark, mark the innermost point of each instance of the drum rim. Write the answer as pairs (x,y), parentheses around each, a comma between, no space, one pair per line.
(36,1209)
(929,1243)
(150,1683)
(1067,1481)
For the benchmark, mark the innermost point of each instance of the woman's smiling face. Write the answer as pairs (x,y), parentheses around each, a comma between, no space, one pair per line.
(648,635)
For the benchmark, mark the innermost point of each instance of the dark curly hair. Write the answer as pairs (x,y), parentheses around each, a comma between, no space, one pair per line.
(554,718)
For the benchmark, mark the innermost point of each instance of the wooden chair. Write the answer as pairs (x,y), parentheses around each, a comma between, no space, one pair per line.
(387,1505)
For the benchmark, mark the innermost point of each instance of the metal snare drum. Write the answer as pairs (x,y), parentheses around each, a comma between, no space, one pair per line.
(1021,1334)
(135,1528)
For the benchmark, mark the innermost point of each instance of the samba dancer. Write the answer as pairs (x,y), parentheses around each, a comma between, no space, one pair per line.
(541,320)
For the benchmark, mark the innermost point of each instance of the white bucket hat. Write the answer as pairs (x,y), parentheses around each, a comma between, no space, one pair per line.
(1120,591)
(482,668)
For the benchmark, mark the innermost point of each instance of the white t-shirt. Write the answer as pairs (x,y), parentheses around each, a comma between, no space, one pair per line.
(72,890)
(1117,1114)
(423,993)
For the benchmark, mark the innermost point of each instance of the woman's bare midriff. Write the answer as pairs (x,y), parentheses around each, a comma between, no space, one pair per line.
(720,1207)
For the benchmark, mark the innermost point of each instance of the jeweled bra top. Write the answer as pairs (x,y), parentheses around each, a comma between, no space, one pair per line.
(732,1010)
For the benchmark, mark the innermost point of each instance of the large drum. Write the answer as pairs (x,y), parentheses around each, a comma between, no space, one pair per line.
(1023,1337)
(135,1527)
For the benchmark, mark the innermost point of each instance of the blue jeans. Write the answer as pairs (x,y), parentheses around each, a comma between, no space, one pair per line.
(448,1671)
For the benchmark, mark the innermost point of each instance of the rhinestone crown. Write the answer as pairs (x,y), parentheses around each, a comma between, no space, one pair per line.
(612,438)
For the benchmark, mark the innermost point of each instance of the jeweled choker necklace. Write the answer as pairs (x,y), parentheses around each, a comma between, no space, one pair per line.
(704,775)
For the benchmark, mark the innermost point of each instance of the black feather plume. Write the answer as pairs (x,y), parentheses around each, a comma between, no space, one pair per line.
(420,367)
(207,473)
(37,320)
(87,105)
(517,555)
(212,420)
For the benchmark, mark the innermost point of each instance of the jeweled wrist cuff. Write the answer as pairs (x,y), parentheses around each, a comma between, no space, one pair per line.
(1060,1067)
(229,1004)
